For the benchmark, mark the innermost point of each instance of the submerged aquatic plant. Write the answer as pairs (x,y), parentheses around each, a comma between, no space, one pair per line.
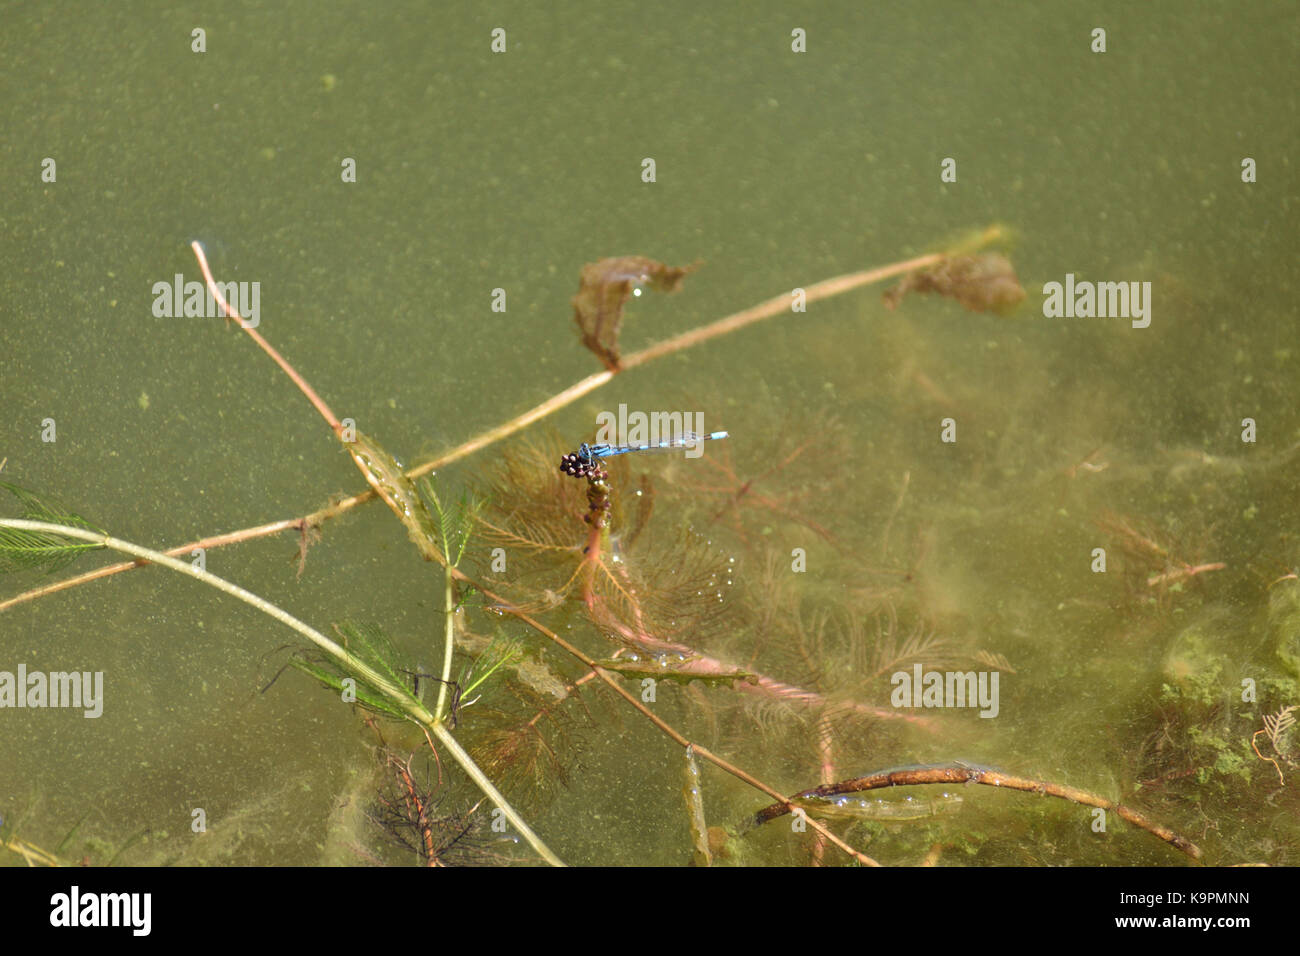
(634,595)
(1276,729)
(797,478)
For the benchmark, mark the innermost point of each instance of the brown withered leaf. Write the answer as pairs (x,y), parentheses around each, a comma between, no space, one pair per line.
(983,283)
(603,291)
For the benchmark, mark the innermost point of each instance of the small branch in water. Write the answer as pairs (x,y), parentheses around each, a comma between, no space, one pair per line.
(964,773)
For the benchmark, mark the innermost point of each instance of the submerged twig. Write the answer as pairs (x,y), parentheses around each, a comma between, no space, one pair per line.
(963,773)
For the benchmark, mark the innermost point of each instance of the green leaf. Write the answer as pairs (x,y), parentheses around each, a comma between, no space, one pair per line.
(499,653)
(371,646)
(22,550)
(455,522)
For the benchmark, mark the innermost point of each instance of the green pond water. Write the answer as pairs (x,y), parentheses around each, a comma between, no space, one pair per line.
(774,170)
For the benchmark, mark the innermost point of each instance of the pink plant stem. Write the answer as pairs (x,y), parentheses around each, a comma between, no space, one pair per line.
(266,347)
(826,750)
(826,746)
(696,663)
(1181,574)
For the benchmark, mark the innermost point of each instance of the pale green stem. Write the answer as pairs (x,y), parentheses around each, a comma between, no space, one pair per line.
(417,711)
(450,643)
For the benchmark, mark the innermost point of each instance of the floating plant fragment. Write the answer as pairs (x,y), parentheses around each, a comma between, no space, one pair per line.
(983,283)
(603,291)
